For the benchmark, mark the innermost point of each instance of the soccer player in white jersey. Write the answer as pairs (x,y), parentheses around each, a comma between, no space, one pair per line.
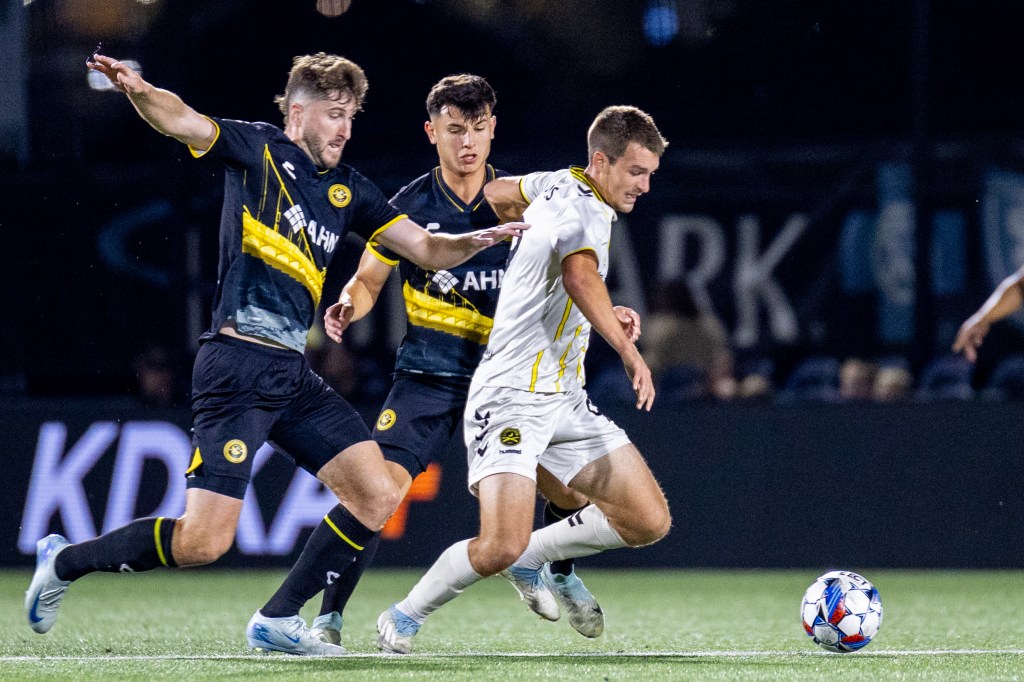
(526,404)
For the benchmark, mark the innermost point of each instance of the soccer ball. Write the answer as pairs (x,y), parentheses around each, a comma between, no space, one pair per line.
(841,611)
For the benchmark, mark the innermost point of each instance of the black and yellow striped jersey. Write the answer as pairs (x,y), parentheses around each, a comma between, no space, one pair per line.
(282,223)
(450,312)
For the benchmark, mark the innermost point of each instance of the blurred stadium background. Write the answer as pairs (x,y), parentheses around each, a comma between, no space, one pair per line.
(844,185)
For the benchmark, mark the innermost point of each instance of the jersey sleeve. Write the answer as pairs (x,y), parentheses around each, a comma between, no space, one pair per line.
(382,253)
(237,143)
(531,185)
(373,212)
(401,202)
(575,231)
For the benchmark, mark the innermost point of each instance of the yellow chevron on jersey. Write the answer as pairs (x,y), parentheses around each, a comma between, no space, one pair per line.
(278,252)
(426,311)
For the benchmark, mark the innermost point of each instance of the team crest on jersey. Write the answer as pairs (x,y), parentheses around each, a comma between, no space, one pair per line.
(235,451)
(510,436)
(386,420)
(339,195)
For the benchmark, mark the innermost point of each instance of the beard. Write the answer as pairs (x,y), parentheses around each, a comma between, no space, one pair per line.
(317,146)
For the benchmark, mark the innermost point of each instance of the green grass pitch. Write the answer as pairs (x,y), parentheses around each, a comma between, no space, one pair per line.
(661,625)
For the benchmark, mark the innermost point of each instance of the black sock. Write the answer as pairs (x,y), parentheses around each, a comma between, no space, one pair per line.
(142,545)
(337,594)
(553,514)
(328,555)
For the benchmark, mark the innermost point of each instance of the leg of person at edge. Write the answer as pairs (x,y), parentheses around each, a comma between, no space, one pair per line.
(251,382)
(526,404)
(434,363)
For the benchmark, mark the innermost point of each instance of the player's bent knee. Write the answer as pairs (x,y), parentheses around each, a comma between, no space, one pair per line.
(201,550)
(374,506)
(490,557)
(647,529)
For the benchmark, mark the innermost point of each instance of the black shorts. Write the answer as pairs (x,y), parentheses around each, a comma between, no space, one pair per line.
(419,418)
(245,394)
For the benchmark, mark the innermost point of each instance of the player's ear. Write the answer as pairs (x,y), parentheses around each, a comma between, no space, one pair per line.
(431,135)
(295,111)
(494,124)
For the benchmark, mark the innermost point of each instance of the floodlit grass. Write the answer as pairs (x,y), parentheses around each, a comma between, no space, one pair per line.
(702,625)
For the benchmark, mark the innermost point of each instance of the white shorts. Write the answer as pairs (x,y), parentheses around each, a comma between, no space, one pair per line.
(509,430)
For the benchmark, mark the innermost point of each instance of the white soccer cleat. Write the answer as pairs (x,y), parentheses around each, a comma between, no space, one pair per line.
(533,591)
(45,592)
(585,615)
(395,631)
(327,628)
(288,635)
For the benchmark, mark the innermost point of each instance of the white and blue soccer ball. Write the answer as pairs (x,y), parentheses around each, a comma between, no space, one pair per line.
(841,611)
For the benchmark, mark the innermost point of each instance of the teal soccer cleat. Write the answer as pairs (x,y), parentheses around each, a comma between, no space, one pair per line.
(395,631)
(533,591)
(327,628)
(585,615)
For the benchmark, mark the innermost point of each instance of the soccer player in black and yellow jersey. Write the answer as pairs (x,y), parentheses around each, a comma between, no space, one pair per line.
(449,313)
(288,204)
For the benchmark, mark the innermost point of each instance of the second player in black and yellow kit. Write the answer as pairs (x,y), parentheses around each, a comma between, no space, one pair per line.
(288,204)
(449,311)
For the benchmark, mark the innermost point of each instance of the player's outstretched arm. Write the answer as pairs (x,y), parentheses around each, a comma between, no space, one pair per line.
(162,109)
(1005,300)
(358,296)
(588,292)
(436,250)
(506,198)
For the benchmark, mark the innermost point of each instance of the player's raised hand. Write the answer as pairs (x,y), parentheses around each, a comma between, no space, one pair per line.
(969,338)
(337,318)
(493,235)
(122,76)
(630,321)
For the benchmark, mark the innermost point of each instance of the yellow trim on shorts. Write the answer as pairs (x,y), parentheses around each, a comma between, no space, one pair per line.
(197,459)
(156,538)
(340,534)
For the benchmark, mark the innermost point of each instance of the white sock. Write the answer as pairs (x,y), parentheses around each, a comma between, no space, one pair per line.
(584,533)
(444,581)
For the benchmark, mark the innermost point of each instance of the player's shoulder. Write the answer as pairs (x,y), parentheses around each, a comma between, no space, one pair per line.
(421,185)
(263,129)
(350,176)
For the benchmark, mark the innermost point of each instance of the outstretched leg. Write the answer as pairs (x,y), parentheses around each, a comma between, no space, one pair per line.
(200,536)
(506,517)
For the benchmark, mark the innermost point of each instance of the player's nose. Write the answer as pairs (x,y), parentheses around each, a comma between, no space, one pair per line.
(345,128)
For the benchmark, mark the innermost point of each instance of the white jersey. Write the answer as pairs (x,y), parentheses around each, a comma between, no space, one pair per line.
(539,336)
